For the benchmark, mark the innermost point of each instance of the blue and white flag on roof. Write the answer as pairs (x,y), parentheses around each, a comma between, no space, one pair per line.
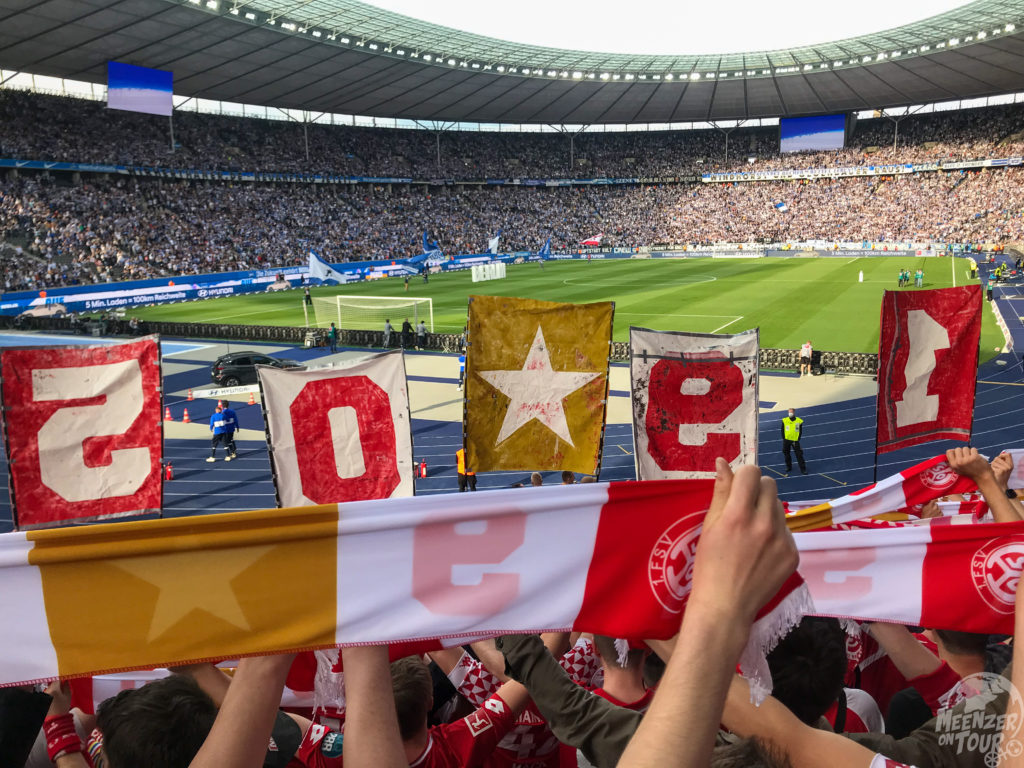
(139,89)
(322,271)
(781,207)
(492,244)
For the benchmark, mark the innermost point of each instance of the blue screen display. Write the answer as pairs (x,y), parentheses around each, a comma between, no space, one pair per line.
(139,89)
(799,134)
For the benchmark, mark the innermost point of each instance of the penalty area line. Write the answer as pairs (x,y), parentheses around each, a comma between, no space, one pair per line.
(727,324)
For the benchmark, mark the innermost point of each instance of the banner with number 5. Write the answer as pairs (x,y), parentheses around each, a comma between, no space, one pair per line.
(927,366)
(694,399)
(83,431)
(339,434)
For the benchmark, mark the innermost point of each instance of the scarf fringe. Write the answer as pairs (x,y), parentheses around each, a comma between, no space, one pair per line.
(765,635)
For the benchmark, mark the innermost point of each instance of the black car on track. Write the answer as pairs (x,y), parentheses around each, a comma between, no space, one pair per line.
(236,368)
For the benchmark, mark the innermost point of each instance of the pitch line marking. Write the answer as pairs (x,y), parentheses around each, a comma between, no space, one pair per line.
(727,324)
(663,314)
(828,477)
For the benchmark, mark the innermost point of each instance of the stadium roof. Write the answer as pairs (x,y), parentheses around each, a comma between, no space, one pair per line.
(347,56)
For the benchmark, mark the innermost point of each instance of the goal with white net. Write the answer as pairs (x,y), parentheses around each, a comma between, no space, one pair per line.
(367,313)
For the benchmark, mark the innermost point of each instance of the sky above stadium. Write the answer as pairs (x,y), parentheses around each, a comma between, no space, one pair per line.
(661,27)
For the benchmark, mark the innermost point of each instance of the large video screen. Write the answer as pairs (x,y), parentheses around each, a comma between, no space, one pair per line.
(800,134)
(139,89)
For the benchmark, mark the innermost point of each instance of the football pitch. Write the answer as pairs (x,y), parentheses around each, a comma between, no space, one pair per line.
(790,299)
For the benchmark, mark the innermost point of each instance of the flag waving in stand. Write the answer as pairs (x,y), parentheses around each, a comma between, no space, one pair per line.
(927,365)
(536,384)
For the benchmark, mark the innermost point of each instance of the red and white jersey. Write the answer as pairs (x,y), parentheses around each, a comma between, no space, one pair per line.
(862,713)
(805,350)
(466,743)
(530,744)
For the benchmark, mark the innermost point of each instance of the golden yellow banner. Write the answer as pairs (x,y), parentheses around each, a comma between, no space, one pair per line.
(166,591)
(536,384)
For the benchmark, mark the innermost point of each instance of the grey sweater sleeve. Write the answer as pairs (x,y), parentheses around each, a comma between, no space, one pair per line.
(577,717)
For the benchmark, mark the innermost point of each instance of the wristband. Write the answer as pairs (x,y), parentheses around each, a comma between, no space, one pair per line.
(61,736)
(1011,494)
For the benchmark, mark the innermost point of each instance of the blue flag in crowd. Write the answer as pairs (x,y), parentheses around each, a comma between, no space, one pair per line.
(492,244)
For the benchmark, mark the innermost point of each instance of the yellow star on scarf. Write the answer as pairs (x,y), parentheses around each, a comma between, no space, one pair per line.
(190,581)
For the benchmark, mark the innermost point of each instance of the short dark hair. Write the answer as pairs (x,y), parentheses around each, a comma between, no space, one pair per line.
(413,690)
(610,654)
(963,643)
(808,666)
(160,725)
(568,477)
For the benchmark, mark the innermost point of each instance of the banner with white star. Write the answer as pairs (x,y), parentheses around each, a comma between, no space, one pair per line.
(536,384)
(694,399)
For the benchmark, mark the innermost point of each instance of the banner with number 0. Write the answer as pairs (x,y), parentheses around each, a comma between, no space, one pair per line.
(927,366)
(83,431)
(339,434)
(694,399)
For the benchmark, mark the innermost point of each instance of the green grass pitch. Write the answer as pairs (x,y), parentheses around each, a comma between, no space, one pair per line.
(790,299)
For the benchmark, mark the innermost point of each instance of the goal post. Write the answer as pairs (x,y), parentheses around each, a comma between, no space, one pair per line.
(368,313)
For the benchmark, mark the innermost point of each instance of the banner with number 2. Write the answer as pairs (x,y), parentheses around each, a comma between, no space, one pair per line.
(83,431)
(927,366)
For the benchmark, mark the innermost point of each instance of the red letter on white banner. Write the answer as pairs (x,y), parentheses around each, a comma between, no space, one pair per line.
(687,401)
(318,464)
(694,399)
(927,365)
(339,434)
(83,431)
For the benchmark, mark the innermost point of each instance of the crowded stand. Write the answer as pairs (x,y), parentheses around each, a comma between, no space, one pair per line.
(53,128)
(119,229)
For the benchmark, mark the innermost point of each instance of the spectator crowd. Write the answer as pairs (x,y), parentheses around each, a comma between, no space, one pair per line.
(38,127)
(873,695)
(63,229)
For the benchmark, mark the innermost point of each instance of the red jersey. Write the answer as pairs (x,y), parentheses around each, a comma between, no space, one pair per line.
(530,744)
(466,743)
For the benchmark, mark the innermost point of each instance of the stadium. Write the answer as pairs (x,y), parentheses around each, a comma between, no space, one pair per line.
(754,291)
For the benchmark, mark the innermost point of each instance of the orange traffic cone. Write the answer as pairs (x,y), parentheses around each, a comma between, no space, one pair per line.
(252,398)
(167,414)
(185,419)
(189,394)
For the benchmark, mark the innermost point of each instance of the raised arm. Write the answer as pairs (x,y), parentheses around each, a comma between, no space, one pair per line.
(241,732)
(969,463)
(744,555)
(372,739)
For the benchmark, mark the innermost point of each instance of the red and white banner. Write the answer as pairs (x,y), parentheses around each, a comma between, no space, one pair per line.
(339,434)
(612,559)
(960,577)
(595,240)
(906,491)
(927,366)
(83,431)
(694,399)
